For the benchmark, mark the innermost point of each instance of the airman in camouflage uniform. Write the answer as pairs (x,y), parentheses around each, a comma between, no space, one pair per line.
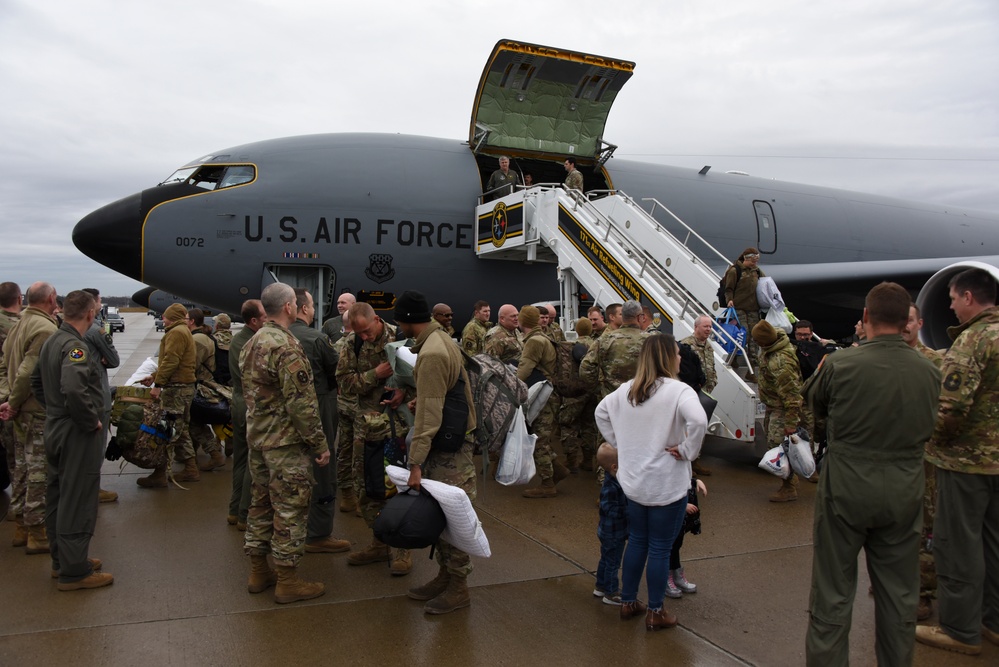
(740,292)
(927,567)
(965,449)
(346,413)
(614,359)
(10,314)
(539,353)
(473,336)
(574,180)
(700,342)
(20,355)
(780,390)
(503,340)
(580,435)
(549,323)
(439,368)
(362,374)
(201,434)
(444,316)
(174,382)
(285,432)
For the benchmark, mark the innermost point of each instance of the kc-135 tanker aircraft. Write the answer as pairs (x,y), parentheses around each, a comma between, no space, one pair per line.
(376,214)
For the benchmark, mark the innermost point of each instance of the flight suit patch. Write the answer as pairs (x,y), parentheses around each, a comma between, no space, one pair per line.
(952,381)
(77,355)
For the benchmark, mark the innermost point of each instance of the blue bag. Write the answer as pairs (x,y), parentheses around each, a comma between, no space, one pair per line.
(729,321)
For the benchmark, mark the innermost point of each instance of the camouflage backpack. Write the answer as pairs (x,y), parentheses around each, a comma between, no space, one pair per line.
(496,394)
(150,447)
(565,379)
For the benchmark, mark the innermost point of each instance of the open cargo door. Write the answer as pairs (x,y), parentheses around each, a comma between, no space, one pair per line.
(537,100)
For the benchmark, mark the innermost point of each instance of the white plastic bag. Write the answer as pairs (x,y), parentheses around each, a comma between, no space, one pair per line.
(767,294)
(779,320)
(776,462)
(516,464)
(799,450)
(537,396)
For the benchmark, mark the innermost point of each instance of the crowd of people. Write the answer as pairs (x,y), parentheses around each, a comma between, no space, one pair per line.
(908,471)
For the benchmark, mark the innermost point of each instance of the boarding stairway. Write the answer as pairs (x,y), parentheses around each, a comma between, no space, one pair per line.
(608,245)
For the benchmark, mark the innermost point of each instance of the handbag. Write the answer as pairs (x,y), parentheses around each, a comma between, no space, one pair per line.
(728,322)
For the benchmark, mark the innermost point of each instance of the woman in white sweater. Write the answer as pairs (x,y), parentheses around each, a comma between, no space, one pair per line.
(656,423)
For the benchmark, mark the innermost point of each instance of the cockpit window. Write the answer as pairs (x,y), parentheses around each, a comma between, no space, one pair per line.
(213,177)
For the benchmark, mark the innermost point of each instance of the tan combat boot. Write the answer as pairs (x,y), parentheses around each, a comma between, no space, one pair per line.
(787,492)
(376,552)
(93,580)
(348,500)
(431,589)
(106,496)
(546,490)
(190,472)
(262,576)
(327,545)
(217,461)
(292,589)
(38,541)
(95,565)
(20,534)
(158,480)
(402,563)
(455,596)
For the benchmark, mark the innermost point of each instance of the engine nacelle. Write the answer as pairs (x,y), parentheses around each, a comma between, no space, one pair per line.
(934,303)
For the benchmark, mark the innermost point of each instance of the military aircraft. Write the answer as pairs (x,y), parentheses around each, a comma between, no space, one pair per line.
(376,214)
(157,301)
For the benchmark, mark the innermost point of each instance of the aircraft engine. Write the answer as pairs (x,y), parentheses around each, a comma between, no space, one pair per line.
(934,303)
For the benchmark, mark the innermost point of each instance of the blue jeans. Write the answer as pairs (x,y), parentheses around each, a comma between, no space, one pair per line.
(611,551)
(651,533)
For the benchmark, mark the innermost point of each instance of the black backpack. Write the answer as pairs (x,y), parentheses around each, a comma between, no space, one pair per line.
(722,302)
(411,520)
(691,372)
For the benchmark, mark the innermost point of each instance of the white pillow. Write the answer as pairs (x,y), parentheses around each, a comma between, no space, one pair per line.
(463,530)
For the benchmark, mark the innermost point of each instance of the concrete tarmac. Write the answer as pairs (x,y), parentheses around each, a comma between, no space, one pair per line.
(180,598)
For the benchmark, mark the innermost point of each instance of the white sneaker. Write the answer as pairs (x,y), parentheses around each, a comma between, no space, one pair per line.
(613,599)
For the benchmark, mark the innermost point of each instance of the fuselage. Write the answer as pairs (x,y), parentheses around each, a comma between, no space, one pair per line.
(385,213)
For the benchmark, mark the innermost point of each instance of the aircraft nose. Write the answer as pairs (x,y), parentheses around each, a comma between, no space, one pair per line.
(112,235)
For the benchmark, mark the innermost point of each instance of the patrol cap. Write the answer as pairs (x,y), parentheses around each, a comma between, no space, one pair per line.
(412,308)
(175,313)
(764,334)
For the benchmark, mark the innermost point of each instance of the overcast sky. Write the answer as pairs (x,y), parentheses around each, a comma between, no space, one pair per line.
(102,99)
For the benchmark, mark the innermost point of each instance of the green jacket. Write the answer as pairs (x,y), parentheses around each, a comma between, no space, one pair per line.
(20,355)
(880,400)
(178,358)
(966,437)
